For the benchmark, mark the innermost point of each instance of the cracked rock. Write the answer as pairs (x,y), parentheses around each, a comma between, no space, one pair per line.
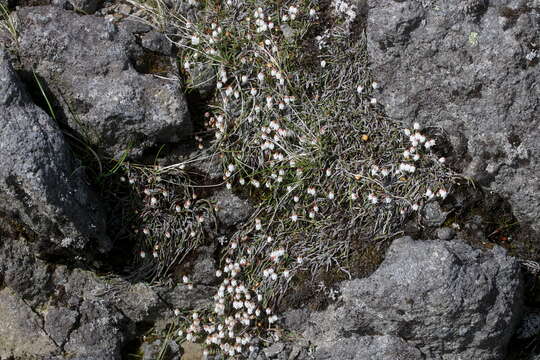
(21,330)
(102,81)
(468,67)
(39,184)
(443,298)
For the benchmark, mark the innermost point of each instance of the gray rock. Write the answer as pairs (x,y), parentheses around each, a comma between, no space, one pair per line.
(181,296)
(232,210)
(100,332)
(445,233)
(83,6)
(39,184)
(274,349)
(202,78)
(442,297)
(50,311)
(170,350)
(156,42)
(21,334)
(370,347)
(433,215)
(90,65)
(59,323)
(467,67)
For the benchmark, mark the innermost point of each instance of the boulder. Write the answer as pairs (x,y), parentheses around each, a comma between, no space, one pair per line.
(443,298)
(370,347)
(471,68)
(40,186)
(93,69)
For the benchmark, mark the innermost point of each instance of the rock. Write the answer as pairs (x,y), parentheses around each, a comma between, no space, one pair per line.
(100,333)
(90,66)
(202,79)
(156,42)
(232,210)
(21,333)
(274,349)
(39,184)
(445,233)
(83,6)
(442,297)
(469,67)
(50,311)
(181,296)
(295,319)
(59,322)
(433,215)
(370,347)
(170,350)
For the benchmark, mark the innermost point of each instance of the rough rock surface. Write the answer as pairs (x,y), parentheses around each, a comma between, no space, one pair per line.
(51,311)
(472,68)
(370,347)
(441,297)
(91,66)
(83,6)
(231,210)
(39,184)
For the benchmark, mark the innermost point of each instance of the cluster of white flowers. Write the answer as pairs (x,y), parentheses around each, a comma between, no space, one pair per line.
(269,144)
(343,8)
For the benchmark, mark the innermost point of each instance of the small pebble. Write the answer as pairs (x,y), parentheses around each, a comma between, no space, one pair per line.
(445,233)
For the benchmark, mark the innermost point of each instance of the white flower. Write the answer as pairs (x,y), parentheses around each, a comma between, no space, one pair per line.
(354,196)
(142,254)
(195,40)
(218,273)
(429,194)
(375,85)
(260,76)
(416,126)
(442,193)
(296,199)
(429,144)
(331,196)
(373,101)
(373,199)
(185,279)
(312,13)
(359,89)
(415,207)
(323,63)
(442,160)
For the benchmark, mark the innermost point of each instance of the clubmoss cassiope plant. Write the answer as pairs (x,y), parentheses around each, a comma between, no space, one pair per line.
(296,122)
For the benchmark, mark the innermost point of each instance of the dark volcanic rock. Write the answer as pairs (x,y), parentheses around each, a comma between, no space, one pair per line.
(441,297)
(49,311)
(370,347)
(39,184)
(472,68)
(92,68)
